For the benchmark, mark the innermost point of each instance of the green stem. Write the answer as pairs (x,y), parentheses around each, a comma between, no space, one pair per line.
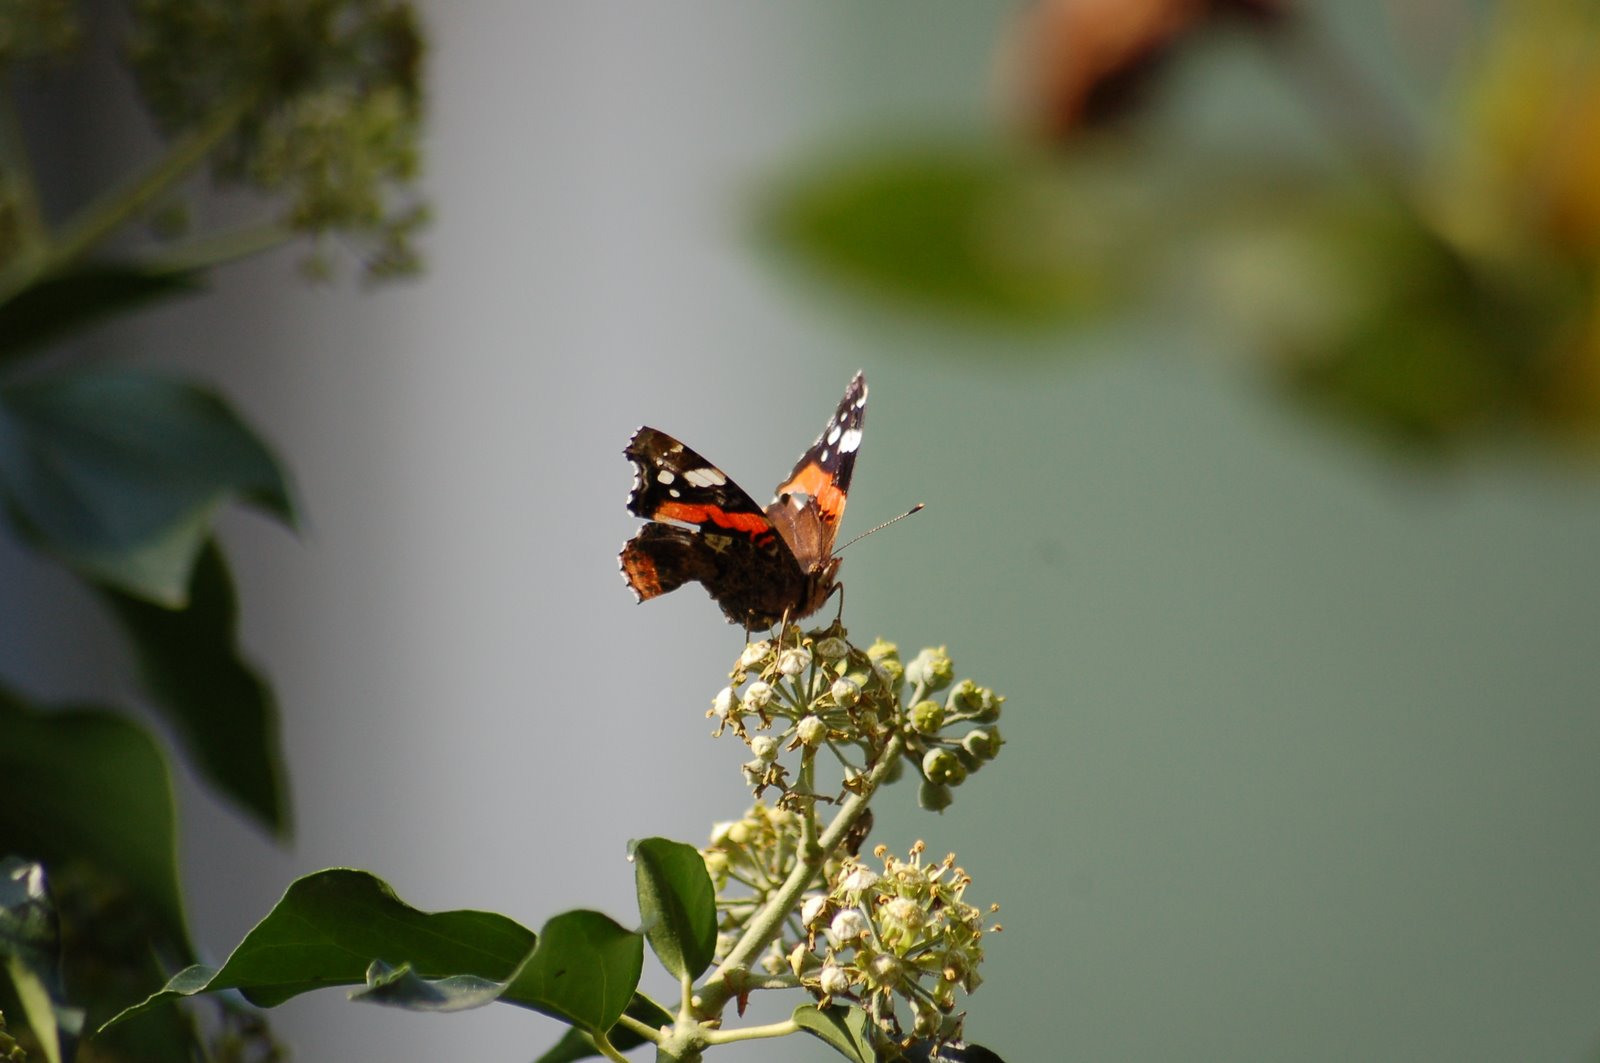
(751,1033)
(607,1049)
(221,248)
(114,208)
(642,1029)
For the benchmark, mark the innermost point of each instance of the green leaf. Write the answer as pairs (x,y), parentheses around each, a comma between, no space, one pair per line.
(578,1044)
(119,472)
(77,298)
(678,904)
(91,785)
(329,928)
(963,232)
(843,1028)
(584,970)
(222,710)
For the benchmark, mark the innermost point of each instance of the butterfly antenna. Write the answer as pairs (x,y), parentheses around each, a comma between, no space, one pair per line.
(914,509)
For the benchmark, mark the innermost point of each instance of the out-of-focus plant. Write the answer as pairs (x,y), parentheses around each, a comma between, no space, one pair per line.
(117,473)
(878,951)
(1434,281)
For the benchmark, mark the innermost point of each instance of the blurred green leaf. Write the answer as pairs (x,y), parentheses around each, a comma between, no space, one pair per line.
(72,300)
(584,970)
(119,472)
(578,1044)
(841,1027)
(223,711)
(84,784)
(678,904)
(329,928)
(998,236)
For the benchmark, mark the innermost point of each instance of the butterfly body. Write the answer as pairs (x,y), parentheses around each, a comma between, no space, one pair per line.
(758,563)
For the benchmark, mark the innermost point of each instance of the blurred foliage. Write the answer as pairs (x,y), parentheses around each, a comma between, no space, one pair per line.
(1437,287)
(119,473)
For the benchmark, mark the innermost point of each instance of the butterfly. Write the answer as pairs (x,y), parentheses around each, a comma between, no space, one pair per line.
(761,565)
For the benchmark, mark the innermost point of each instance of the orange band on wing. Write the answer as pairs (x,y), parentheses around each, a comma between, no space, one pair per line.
(751,524)
(817,482)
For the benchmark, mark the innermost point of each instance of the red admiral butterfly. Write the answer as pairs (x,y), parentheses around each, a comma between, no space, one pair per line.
(759,564)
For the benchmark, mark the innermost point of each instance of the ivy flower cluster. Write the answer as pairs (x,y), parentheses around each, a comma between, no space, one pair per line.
(807,692)
(904,932)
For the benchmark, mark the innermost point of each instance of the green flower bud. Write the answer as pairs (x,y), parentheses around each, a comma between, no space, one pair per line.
(964,698)
(944,767)
(983,743)
(832,649)
(927,717)
(989,709)
(932,797)
(932,669)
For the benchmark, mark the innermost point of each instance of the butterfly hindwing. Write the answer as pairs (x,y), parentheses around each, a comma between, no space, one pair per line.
(704,528)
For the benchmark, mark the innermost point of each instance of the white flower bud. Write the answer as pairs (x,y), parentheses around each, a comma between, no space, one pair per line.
(754,653)
(722,704)
(859,880)
(848,924)
(812,909)
(793,661)
(845,691)
(756,696)
(811,731)
(834,980)
(765,747)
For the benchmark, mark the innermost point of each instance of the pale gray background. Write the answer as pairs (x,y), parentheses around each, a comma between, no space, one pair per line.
(1302,739)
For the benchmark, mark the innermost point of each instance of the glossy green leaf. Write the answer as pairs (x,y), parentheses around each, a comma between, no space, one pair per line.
(678,904)
(73,300)
(584,970)
(222,710)
(842,1028)
(119,472)
(578,1044)
(990,235)
(329,928)
(91,785)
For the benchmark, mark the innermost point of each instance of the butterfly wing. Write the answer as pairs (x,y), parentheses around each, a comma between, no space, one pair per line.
(704,528)
(807,506)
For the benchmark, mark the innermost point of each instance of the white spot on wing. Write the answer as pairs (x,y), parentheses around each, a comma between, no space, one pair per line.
(705,477)
(833,435)
(665,476)
(674,492)
(823,457)
(850,441)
